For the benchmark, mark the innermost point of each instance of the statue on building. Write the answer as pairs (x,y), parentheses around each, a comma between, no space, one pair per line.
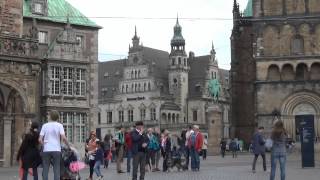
(214,89)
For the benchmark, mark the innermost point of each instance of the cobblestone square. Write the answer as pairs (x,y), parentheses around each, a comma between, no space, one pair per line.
(214,168)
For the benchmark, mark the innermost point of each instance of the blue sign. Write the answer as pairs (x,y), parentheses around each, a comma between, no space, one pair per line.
(306,128)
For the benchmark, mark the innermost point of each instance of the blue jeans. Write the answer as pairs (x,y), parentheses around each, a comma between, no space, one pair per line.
(97,168)
(282,160)
(54,157)
(195,159)
(129,157)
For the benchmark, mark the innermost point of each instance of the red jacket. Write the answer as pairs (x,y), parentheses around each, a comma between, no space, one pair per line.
(128,141)
(198,143)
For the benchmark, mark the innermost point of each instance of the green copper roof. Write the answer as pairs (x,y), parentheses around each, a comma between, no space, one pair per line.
(58,11)
(248,11)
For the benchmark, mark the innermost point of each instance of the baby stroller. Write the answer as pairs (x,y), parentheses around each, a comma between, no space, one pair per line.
(70,164)
(176,159)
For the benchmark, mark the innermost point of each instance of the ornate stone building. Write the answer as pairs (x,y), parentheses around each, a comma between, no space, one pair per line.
(163,89)
(275,68)
(47,62)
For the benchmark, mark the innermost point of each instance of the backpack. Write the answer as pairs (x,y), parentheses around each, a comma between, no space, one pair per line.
(153,143)
(193,138)
(269,144)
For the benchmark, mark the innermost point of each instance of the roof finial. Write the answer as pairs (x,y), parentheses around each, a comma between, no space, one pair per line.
(135,30)
(213,51)
(177,19)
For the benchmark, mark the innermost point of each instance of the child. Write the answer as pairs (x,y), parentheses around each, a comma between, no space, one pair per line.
(99,160)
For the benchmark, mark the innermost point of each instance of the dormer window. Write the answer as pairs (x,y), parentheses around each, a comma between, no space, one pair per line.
(38,8)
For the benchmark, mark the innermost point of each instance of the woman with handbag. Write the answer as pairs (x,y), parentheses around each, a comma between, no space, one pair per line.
(29,153)
(91,148)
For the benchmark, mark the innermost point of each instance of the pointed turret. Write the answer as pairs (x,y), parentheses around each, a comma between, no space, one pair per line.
(135,39)
(177,42)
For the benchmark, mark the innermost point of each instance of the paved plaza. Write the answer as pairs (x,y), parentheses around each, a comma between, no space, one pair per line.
(214,168)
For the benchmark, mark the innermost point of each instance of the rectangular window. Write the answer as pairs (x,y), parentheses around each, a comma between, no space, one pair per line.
(80,82)
(143,114)
(80,120)
(38,8)
(121,116)
(79,40)
(153,114)
(130,115)
(195,115)
(99,118)
(43,37)
(67,83)
(67,121)
(109,117)
(54,74)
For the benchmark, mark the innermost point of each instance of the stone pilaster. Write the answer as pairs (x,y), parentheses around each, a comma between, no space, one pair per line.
(7,141)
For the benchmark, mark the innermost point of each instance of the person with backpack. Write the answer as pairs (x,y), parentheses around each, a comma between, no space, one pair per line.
(258,148)
(153,147)
(233,147)
(195,145)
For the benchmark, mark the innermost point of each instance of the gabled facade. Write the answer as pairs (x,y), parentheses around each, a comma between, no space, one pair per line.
(166,90)
(48,62)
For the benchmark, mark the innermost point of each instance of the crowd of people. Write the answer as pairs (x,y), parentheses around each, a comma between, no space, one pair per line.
(142,149)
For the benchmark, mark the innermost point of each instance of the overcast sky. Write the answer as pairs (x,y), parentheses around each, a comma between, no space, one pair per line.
(116,34)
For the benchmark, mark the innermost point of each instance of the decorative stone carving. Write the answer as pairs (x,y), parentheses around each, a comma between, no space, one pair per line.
(15,68)
(14,46)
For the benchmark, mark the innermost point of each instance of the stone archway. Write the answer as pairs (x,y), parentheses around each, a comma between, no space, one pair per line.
(300,103)
(12,123)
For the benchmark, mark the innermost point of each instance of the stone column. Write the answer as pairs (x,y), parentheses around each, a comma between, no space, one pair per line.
(214,128)
(7,140)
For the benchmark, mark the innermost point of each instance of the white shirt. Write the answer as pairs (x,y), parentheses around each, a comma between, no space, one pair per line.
(188,133)
(51,133)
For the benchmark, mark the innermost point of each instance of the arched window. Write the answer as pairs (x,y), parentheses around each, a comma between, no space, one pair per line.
(132,87)
(149,86)
(122,89)
(177,118)
(297,45)
(164,117)
(131,74)
(173,118)
(139,87)
(287,73)
(173,62)
(169,118)
(302,72)
(144,86)
(315,71)
(179,60)
(135,87)
(139,73)
(135,74)
(273,73)
(185,61)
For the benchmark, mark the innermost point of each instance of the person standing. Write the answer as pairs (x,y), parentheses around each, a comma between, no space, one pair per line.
(187,149)
(139,150)
(119,142)
(98,160)
(29,154)
(223,147)
(258,148)
(157,134)
(233,147)
(128,142)
(91,147)
(107,149)
(278,150)
(195,146)
(50,135)
(205,147)
(166,149)
(153,147)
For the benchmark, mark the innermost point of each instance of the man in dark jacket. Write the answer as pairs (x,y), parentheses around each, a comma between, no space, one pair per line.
(258,148)
(139,150)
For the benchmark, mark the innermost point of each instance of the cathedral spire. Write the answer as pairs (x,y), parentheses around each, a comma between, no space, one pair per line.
(213,51)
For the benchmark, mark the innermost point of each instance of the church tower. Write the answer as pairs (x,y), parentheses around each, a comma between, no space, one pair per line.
(178,68)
